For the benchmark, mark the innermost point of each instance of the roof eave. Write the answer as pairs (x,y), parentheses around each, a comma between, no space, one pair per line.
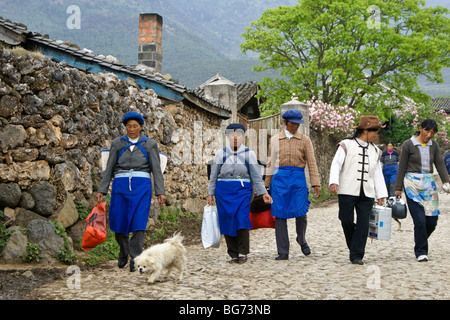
(225,114)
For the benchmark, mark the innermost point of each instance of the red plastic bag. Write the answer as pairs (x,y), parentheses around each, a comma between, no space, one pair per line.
(96,228)
(262,219)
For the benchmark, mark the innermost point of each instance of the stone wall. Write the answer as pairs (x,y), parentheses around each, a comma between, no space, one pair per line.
(54,122)
(325,147)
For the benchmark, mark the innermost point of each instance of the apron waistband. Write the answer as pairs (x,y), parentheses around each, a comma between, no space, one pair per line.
(132,174)
(243,180)
(235,180)
(290,168)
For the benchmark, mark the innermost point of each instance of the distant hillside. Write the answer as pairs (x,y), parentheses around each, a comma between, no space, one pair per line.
(434,89)
(237,71)
(200,37)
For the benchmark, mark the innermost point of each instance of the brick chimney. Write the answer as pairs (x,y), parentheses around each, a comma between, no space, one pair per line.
(150,40)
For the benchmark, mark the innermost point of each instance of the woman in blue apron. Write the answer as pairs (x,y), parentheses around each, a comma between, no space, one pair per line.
(234,171)
(131,160)
(290,152)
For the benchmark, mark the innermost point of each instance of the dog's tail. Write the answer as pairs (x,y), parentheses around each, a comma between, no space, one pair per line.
(176,239)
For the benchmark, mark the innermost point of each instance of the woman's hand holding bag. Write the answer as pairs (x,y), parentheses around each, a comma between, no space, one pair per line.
(210,227)
(96,228)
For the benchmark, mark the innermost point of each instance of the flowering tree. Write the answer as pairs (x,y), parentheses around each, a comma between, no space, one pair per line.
(406,121)
(340,121)
(337,121)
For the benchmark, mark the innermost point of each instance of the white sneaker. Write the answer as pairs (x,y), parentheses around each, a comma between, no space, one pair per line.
(422,258)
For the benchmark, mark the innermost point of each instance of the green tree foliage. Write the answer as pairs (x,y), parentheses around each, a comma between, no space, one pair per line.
(363,53)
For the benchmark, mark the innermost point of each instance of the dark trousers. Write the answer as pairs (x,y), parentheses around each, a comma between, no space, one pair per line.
(132,247)
(240,244)
(355,234)
(423,227)
(282,236)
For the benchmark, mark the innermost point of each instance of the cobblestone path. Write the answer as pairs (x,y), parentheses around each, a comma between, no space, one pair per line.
(390,270)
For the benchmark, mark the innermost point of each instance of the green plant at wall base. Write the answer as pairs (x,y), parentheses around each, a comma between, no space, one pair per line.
(170,213)
(5,232)
(61,231)
(33,253)
(108,250)
(65,255)
(157,235)
(83,211)
(169,221)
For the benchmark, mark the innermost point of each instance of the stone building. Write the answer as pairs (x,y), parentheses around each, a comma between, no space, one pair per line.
(60,106)
(239,98)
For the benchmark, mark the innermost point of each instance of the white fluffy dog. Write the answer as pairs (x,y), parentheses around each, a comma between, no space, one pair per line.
(163,257)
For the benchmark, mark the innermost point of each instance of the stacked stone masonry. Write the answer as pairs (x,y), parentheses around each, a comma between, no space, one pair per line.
(54,122)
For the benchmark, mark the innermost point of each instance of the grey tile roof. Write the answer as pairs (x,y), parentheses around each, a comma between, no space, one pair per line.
(441,104)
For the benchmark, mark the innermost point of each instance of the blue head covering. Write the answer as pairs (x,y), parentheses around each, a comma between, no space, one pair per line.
(132,115)
(293,115)
(234,127)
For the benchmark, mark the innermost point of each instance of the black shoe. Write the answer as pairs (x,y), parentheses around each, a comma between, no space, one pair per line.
(122,262)
(242,259)
(132,268)
(306,249)
(282,257)
(358,261)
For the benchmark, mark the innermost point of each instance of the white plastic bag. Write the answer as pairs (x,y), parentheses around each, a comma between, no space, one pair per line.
(163,160)
(104,158)
(210,227)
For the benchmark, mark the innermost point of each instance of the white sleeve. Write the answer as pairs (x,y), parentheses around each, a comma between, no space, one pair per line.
(336,166)
(379,183)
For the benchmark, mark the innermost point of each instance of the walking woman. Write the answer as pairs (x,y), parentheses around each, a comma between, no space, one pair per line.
(415,176)
(357,178)
(290,152)
(234,171)
(390,159)
(131,160)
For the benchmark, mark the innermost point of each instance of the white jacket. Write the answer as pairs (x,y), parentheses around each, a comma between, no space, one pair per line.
(357,162)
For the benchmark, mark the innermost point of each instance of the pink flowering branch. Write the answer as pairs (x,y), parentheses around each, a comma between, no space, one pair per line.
(338,121)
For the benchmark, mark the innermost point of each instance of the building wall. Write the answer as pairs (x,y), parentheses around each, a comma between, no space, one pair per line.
(55,120)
